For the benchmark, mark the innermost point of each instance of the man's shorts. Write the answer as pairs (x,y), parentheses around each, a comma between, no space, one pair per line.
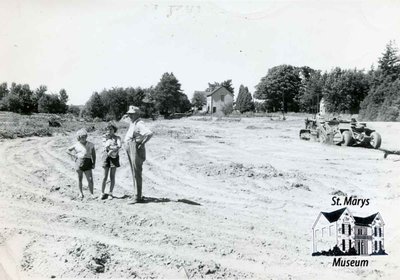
(111,162)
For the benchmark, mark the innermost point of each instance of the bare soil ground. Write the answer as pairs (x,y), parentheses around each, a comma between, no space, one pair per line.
(225,198)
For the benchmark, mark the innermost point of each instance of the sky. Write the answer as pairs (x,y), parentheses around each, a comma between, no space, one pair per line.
(85,46)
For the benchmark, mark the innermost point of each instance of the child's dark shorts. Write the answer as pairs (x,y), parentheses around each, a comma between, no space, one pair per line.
(84,164)
(111,162)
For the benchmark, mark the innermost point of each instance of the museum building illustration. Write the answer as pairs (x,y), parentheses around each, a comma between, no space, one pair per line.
(342,229)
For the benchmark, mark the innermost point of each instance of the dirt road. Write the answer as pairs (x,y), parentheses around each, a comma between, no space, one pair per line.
(225,199)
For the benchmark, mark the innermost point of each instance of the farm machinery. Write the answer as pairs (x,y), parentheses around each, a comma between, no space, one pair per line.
(340,132)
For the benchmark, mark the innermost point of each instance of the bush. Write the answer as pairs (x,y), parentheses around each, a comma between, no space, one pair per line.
(54,122)
(335,251)
(227,109)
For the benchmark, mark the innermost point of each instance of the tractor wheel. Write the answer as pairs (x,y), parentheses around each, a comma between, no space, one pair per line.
(347,138)
(376,140)
(304,134)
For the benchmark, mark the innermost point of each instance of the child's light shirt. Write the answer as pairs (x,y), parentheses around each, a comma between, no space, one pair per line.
(83,151)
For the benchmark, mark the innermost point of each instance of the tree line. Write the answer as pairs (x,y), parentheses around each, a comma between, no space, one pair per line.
(20,98)
(374,94)
(165,98)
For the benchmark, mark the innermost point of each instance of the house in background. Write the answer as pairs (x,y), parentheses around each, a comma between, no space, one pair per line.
(217,99)
(346,231)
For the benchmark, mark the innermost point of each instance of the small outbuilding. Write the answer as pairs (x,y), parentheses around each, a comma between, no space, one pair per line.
(217,99)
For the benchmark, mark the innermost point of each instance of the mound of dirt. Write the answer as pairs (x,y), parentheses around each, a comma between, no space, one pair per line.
(234,169)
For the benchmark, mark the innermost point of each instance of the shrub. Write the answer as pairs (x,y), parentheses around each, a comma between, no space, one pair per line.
(227,109)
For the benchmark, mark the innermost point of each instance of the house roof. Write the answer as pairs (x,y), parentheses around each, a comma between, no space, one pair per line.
(333,216)
(365,221)
(217,89)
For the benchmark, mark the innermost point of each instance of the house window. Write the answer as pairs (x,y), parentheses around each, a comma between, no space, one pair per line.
(349,229)
(222,98)
(344,245)
(214,109)
(380,232)
(342,228)
(349,244)
(359,231)
(316,233)
(380,245)
(376,246)
(330,230)
(376,231)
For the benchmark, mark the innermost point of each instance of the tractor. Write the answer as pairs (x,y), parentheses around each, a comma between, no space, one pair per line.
(340,132)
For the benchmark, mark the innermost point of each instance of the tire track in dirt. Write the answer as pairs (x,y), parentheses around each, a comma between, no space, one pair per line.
(263,227)
(171,230)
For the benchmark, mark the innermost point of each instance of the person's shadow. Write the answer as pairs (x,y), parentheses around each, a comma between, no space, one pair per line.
(164,199)
(147,199)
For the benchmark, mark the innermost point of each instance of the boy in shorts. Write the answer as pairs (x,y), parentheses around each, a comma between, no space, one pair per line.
(84,154)
(111,146)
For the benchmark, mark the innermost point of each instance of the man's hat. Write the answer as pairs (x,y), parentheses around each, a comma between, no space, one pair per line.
(133,110)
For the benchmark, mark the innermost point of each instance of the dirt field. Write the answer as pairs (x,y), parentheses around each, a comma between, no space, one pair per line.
(225,199)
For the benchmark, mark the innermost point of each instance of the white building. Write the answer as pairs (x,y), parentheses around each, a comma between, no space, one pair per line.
(217,99)
(346,231)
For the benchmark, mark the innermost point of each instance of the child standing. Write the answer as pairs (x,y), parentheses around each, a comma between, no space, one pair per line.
(111,146)
(85,158)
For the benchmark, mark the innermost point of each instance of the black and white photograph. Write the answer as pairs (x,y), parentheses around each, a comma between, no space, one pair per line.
(199,139)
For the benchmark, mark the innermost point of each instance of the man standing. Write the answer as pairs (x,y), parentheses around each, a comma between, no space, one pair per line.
(136,137)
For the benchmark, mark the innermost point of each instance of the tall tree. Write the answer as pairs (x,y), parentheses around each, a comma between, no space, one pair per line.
(148,106)
(310,92)
(63,96)
(20,99)
(50,103)
(389,63)
(135,96)
(40,91)
(115,102)
(279,88)
(244,101)
(3,90)
(168,95)
(94,106)
(381,103)
(199,99)
(344,90)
